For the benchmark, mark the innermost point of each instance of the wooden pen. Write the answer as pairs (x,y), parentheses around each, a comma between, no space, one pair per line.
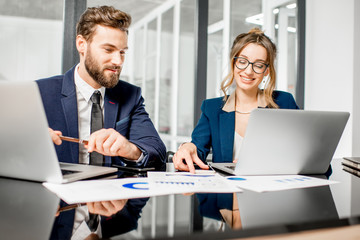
(70,207)
(71,139)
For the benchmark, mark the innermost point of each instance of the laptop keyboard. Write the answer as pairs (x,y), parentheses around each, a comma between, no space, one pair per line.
(66,172)
(231,167)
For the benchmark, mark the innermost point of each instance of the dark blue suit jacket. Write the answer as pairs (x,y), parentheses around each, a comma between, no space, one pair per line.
(124,111)
(216,127)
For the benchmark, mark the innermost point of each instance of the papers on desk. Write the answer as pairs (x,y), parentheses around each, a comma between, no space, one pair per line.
(164,183)
(276,182)
(184,182)
(100,190)
(158,183)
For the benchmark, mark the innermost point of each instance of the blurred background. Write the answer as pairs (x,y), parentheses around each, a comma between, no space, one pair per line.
(162,57)
(177,70)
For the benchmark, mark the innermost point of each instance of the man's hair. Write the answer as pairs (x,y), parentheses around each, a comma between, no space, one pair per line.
(103,15)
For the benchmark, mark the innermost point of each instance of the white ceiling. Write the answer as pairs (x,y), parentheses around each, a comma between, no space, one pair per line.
(53,9)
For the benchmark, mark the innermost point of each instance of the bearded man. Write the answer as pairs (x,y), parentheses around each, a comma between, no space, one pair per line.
(127,135)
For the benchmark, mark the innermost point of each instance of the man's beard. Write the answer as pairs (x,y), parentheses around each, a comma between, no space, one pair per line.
(98,74)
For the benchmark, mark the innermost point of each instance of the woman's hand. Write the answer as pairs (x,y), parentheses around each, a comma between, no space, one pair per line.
(186,156)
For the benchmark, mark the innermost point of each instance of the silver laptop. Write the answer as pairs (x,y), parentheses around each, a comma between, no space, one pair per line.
(282,141)
(27,151)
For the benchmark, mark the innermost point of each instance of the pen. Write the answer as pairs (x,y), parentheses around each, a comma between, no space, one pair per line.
(71,206)
(76,140)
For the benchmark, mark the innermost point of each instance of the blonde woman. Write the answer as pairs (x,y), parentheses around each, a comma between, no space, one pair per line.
(224,120)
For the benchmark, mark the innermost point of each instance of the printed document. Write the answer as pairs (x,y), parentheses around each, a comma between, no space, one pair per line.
(276,182)
(158,183)
(164,183)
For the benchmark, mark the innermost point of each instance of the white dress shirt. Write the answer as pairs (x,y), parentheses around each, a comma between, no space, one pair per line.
(83,94)
(237,145)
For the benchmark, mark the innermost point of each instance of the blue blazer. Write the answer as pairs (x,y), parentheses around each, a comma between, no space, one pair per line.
(123,109)
(216,127)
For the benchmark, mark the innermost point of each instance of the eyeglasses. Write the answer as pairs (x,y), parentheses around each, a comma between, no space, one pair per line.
(242,63)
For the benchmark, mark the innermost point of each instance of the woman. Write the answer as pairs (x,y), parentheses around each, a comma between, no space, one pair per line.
(224,120)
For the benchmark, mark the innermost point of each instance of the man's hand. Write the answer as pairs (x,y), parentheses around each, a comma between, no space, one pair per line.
(55,136)
(187,152)
(109,142)
(106,208)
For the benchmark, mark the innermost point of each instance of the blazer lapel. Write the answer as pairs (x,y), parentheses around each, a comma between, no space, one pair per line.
(227,130)
(111,108)
(69,105)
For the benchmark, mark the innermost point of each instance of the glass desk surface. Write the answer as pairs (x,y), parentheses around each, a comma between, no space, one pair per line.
(28,211)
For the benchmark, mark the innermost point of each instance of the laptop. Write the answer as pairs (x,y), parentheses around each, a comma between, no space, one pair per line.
(283,141)
(27,151)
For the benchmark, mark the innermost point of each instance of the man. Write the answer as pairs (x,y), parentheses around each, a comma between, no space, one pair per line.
(128,135)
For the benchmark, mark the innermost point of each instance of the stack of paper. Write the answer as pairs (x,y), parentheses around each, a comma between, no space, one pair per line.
(164,183)
(158,183)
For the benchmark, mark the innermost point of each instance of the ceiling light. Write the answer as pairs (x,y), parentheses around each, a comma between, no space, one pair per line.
(291,6)
(291,29)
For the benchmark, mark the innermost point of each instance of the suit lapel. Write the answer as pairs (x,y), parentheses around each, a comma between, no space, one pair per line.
(111,108)
(227,129)
(69,105)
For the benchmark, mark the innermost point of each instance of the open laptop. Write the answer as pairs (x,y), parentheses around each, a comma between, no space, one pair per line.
(283,141)
(27,151)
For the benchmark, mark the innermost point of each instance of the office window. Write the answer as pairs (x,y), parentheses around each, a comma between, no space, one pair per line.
(161,53)
(163,65)
(30,39)
(161,61)
(277,18)
(227,19)
(186,70)
(165,71)
(285,24)
(148,63)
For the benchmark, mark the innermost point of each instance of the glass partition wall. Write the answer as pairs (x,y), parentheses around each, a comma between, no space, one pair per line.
(162,49)
(160,60)
(277,18)
(31,39)
(162,55)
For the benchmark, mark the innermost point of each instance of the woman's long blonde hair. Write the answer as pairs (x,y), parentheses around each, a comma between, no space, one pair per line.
(258,37)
